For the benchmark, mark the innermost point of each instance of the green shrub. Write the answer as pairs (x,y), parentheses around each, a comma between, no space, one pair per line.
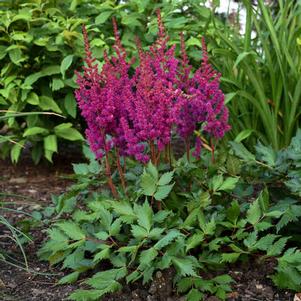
(41,45)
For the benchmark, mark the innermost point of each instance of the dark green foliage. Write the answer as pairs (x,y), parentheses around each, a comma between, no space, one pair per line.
(202,229)
(271,166)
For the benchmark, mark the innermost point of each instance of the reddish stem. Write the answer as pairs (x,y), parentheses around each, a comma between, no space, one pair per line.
(119,167)
(187,144)
(212,150)
(109,176)
(159,205)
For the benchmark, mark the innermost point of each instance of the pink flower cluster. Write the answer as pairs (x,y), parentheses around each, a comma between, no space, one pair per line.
(136,110)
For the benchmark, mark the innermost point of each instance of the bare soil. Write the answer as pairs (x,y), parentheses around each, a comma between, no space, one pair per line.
(29,187)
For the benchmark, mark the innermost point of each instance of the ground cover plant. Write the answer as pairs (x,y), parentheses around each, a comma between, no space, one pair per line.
(144,204)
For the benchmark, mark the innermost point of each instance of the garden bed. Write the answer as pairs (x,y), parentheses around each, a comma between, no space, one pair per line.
(36,184)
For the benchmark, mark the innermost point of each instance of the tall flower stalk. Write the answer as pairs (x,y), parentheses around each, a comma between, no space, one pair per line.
(137,115)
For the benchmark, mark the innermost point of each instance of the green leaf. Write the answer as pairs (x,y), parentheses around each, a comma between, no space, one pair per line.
(167,239)
(70,278)
(50,143)
(86,295)
(66,63)
(16,56)
(81,168)
(185,266)
(254,213)
(192,41)
(242,56)
(163,192)
(35,131)
(103,17)
(124,209)
(32,98)
(47,103)
(243,135)
(147,256)
(194,295)
(230,257)
(103,254)
(266,154)
(139,232)
(277,248)
(148,184)
(233,212)
(166,178)
(70,104)
(152,170)
(228,184)
(223,279)
(265,242)
(241,151)
(145,215)
(194,241)
(71,229)
(16,151)
(47,71)
(57,84)
(65,130)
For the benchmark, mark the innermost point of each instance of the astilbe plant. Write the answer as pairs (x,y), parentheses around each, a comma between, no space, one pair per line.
(136,115)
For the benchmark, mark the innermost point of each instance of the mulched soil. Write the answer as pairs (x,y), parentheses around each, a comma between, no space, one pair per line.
(36,184)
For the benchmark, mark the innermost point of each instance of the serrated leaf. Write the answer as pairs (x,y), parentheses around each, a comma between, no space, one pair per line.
(233,212)
(152,170)
(185,266)
(166,178)
(115,227)
(86,295)
(103,254)
(147,256)
(250,241)
(163,192)
(145,215)
(70,278)
(223,279)
(124,209)
(194,241)
(254,213)
(167,239)
(241,151)
(71,229)
(148,184)
(155,233)
(277,248)
(266,154)
(230,257)
(228,184)
(265,242)
(57,84)
(194,295)
(139,232)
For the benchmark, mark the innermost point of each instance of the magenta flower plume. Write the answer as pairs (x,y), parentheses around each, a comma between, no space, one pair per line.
(137,114)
